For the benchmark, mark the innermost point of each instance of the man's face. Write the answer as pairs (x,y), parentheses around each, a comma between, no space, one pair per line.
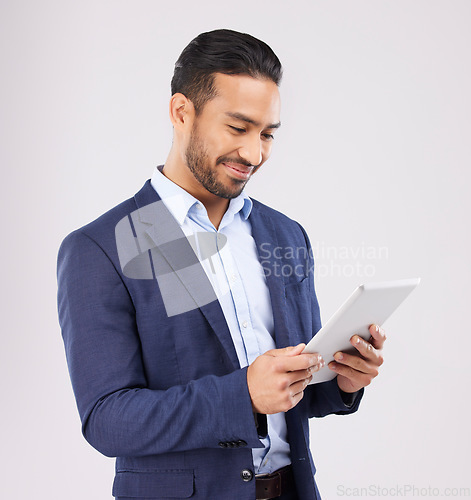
(232,136)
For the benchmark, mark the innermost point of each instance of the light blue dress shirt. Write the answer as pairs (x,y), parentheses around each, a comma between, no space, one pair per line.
(239,283)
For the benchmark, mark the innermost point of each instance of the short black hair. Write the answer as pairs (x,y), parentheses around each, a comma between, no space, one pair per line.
(221,51)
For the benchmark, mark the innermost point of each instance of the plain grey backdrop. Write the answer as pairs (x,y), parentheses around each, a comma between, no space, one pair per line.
(373,158)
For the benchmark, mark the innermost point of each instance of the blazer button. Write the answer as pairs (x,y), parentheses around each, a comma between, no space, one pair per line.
(246,475)
(222,444)
(241,443)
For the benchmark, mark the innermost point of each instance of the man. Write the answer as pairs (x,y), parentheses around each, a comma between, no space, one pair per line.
(186,356)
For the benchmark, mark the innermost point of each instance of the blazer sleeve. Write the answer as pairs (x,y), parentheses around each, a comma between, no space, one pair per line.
(324,398)
(120,415)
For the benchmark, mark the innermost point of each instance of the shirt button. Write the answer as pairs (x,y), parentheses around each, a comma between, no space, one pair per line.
(245,324)
(246,475)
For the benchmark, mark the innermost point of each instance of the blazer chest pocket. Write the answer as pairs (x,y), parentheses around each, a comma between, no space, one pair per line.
(298,310)
(154,484)
(296,286)
(297,294)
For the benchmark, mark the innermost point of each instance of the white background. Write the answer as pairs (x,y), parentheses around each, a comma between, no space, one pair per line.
(373,154)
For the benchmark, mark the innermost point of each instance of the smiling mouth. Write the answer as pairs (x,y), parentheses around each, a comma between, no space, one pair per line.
(237,170)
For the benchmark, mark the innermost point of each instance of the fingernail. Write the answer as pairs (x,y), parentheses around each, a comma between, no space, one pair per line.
(357,340)
(377,328)
(339,356)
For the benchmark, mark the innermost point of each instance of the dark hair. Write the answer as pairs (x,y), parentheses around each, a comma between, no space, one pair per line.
(221,51)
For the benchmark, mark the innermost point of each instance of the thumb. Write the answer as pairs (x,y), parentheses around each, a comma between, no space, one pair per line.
(289,351)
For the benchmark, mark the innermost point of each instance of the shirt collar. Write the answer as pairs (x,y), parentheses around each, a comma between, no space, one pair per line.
(176,199)
(180,202)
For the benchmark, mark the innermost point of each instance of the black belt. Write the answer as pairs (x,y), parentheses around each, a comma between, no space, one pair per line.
(273,485)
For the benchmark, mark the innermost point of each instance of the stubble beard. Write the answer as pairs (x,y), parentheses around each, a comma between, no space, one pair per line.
(198,162)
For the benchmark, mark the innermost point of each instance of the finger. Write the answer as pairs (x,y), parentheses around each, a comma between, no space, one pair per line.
(300,362)
(378,336)
(292,396)
(299,387)
(296,398)
(301,375)
(356,363)
(367,350)
(357,378)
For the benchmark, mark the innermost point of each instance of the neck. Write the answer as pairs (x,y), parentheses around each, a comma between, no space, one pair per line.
(177,171)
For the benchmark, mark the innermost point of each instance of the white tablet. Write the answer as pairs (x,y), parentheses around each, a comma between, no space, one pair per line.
(369,304)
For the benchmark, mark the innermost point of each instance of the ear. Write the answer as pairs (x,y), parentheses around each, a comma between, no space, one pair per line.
(181,111)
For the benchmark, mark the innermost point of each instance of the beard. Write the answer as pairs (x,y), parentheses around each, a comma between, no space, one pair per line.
(198,162)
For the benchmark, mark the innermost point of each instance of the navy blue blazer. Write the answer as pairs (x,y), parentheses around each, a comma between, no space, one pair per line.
(166,395)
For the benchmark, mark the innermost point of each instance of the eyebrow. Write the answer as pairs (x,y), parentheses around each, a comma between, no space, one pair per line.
(243,118)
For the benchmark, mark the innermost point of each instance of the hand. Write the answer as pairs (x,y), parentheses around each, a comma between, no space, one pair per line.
(277,379)
(357,371)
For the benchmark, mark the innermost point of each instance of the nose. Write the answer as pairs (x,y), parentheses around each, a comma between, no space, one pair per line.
(251,150)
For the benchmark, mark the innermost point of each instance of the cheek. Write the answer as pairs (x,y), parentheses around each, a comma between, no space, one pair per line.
(216,145)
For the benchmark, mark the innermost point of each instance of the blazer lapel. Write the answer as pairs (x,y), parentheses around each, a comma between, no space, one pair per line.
(264,233)
(164,231)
